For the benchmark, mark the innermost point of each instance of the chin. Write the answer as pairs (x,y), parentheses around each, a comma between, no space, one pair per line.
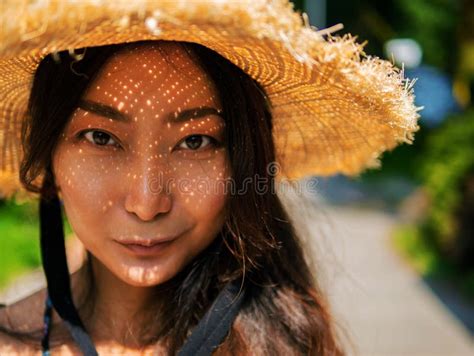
(140,277)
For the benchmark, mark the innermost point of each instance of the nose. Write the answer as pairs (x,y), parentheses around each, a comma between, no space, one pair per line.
(147,196)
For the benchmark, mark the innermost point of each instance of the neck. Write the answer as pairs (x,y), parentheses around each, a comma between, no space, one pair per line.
(119,310)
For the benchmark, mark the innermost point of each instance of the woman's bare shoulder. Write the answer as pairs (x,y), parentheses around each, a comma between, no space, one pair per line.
(25,315)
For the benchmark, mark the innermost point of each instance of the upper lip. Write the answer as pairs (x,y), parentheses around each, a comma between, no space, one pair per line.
(144,241)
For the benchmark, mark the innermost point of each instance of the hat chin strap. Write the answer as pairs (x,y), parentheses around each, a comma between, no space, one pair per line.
(53,255)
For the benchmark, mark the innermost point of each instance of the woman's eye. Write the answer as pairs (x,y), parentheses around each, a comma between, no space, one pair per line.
(98,138)
(194,142)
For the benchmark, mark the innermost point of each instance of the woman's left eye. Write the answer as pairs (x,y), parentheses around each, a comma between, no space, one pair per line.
(194,142)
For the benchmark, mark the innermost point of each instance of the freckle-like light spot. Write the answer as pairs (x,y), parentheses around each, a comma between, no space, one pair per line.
(120,105)
(148,102)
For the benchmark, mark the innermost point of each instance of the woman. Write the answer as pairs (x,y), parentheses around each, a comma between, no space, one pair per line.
(158,150)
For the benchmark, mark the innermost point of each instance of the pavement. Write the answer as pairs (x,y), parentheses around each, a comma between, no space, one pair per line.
(386,308)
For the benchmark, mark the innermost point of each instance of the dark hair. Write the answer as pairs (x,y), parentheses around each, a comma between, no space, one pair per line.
(283,304)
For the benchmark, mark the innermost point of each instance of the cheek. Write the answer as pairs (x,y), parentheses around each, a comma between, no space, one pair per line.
(202,184)
(203,192)
(86,187)
(208,211)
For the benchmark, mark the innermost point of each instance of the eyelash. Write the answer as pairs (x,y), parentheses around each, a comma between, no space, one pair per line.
(81,135)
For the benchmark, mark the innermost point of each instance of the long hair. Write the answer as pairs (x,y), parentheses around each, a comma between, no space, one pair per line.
(284,311)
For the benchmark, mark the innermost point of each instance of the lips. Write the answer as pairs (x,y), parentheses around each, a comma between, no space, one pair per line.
(145,247)
(144,242)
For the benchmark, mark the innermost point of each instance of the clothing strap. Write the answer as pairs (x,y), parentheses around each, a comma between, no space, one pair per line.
(206,336)
(57,274)
(48,310)
(214,326)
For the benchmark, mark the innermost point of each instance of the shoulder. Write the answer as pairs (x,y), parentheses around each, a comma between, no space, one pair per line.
(25,315)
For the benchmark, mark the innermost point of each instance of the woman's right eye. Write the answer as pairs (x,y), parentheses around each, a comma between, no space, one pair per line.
(98,138)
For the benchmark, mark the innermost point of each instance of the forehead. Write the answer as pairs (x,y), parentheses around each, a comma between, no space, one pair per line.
(162,72)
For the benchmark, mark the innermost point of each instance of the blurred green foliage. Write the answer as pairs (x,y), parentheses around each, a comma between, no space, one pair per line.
(19,226)
(410,241)
(20,243)
(433,24)
(442,244)
(447,171)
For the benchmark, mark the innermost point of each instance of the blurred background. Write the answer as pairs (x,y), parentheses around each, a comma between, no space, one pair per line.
(401,271)
(397,260)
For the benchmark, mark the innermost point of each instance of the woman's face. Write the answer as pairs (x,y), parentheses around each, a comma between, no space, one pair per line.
(142,159)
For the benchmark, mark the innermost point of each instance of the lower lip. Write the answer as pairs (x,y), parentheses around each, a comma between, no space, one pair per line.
(147,250)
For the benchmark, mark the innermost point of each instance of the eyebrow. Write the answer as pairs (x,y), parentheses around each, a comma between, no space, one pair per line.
(115,114)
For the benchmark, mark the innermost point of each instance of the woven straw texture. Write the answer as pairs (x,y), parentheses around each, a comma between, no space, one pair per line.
(335,109)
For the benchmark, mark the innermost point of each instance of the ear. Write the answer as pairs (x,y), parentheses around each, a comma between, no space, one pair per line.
(58,191)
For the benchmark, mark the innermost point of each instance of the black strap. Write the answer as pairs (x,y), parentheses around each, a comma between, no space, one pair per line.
(57,273)
(214,326)
(209,332)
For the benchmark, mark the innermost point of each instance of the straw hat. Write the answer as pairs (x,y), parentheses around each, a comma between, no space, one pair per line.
(335,109)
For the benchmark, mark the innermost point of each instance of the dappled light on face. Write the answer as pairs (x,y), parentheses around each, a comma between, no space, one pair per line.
(144,154)
(143,275)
